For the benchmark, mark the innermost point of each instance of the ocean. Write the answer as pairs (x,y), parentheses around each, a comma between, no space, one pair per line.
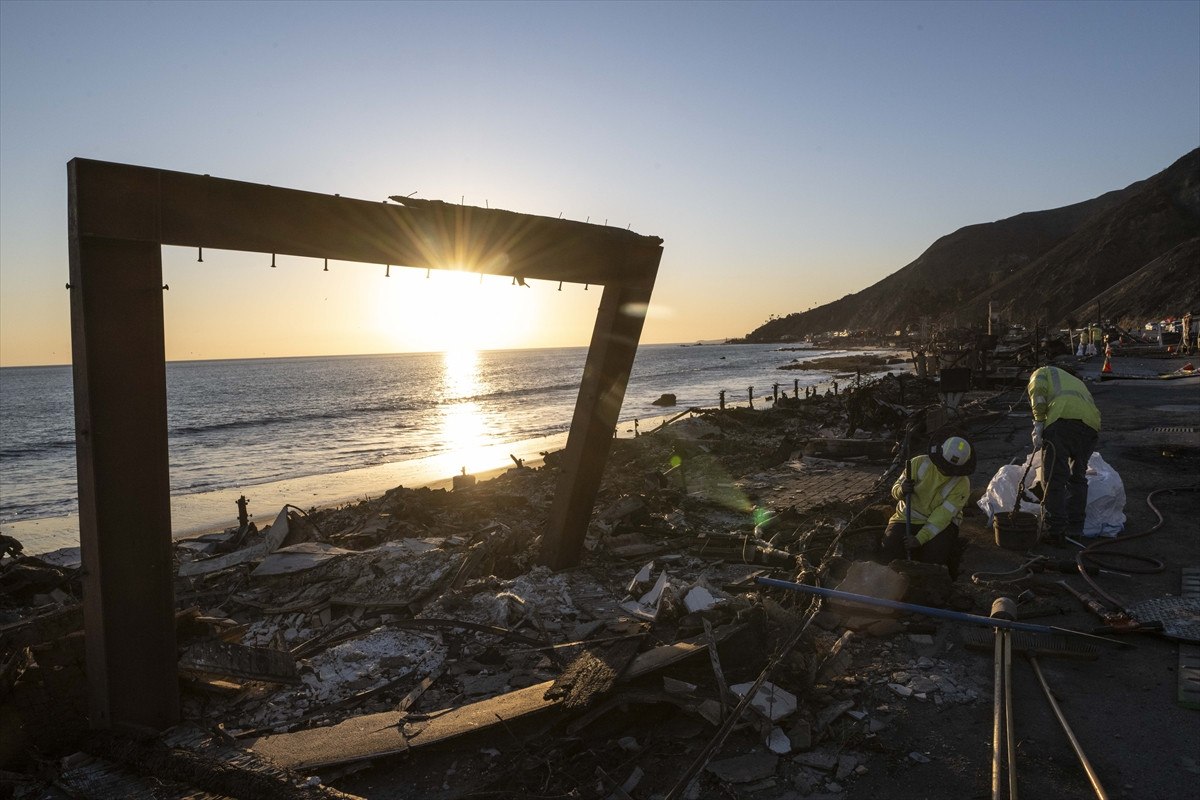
(240,423)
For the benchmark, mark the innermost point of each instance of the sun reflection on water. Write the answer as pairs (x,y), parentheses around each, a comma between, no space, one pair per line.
(463,426)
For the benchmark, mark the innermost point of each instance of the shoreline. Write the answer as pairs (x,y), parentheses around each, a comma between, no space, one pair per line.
(212,511)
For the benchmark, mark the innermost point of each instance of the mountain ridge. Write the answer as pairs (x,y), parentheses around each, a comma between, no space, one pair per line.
(1044,267)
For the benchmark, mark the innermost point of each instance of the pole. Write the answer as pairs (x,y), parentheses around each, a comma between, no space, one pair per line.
(1062,720)
(1009,737)
(997,711)
(929,611)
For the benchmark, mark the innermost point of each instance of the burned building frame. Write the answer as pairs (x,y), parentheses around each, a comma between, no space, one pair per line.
(120,216)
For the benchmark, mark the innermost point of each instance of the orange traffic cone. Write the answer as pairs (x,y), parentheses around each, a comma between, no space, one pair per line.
(1107,368)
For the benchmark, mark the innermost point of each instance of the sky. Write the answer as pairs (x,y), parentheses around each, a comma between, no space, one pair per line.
(787,153)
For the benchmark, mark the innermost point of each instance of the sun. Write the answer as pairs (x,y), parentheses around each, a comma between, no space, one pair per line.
(453,311)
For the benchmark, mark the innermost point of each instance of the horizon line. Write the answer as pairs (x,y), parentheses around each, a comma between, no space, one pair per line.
(722,340)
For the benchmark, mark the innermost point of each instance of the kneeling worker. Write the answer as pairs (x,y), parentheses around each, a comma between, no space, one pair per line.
(934,489)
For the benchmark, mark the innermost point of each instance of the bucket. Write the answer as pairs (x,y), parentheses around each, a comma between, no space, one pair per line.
(1015,530)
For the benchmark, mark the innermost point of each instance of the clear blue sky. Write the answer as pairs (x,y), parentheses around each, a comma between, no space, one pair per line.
(787,153)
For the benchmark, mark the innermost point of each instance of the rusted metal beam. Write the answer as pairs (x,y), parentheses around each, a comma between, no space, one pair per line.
(175,208)
(119,369)
(605,376)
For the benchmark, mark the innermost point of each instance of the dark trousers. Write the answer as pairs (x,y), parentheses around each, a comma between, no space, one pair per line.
(941,549)
(1067,444)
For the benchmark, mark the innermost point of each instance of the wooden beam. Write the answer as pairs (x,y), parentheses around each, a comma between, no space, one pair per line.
(175,208)
(121,215)
(605,376)
(119,370)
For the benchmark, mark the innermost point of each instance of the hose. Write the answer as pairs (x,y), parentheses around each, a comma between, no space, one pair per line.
(1092,554)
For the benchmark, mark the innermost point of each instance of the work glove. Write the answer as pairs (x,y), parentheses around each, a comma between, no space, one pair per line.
(908,487)
(911,542)
(1037,435)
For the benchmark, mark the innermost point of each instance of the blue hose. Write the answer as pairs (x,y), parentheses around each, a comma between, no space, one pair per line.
(942,613)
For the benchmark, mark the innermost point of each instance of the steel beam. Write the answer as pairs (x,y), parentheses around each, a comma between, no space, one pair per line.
(124,492)
(605,376)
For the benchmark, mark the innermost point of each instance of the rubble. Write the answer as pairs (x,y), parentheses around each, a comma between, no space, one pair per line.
(361,634)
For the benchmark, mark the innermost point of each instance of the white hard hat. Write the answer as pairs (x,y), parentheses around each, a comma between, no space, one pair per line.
(956,451)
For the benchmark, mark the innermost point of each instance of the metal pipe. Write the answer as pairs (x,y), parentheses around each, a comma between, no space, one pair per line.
(997,696)
(1010,737)
(941,613)
(1083,759)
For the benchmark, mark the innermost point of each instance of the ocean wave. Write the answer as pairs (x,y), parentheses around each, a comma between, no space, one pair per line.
(312,416)
(37,448)
(527,391)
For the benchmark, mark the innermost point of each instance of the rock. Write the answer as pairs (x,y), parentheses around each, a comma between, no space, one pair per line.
(818,759)
(920,758)
(900,689)
(806,780)
(834,787)
(827,620)
(778,742)
(744,769)
(665,400)
(800,735)
(845,765)
(675,686)
(860,623)
(838,663)
(920,638)
(773,702)
(922,685)
(875,580)
(876,725)
(711,711)
(884,627)
(628,744)
(830,713)
(927,584)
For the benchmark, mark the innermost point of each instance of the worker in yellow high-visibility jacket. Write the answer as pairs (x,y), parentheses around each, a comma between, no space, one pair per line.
(937,484)
(1066,426)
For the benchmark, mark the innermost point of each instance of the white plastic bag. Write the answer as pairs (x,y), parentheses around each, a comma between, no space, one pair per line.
(1002,489)
(1106,499)
(1105,515)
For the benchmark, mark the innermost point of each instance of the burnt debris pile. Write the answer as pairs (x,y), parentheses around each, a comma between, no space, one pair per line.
(335,642)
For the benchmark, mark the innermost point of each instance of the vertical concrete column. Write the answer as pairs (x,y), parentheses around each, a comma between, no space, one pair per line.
(119,368)
(605,376)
